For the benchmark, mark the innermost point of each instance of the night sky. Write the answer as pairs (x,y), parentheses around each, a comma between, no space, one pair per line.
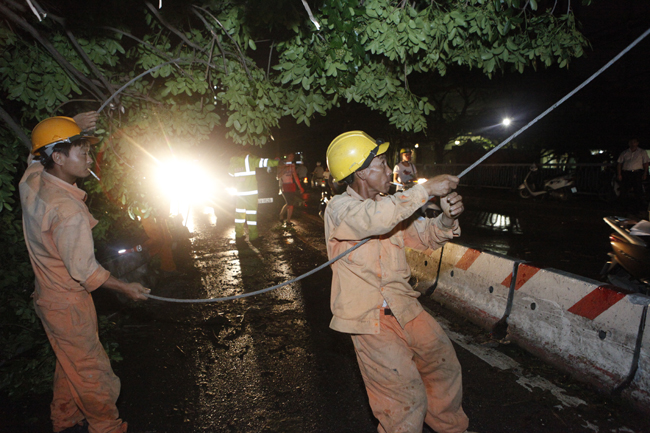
(604,115)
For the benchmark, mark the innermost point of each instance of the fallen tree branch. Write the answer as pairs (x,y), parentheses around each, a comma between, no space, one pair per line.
(214,38)
(74,100)
(173,29)
(89,62)
(60,59)
(268,66)
(241,54)
(13,125)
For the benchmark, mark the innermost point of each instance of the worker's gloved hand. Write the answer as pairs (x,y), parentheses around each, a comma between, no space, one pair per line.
(87,121)
(135,291)
(441,185)
(452,207)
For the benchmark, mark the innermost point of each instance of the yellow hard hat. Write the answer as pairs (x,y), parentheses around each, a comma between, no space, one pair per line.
(404,150)
(54,130)
(352,151)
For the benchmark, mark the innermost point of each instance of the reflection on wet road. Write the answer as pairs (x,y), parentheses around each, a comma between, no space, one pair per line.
(567,236)
(493,221)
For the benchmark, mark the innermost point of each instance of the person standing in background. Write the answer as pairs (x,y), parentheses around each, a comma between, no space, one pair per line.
(242,168)
(289,184)
(632,170)
(405,171)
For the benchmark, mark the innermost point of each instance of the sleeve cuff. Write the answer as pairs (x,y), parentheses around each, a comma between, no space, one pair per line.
(97,278)
(455,228)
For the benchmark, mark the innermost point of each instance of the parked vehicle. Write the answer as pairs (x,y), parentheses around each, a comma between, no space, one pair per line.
(560,187)
(629,262)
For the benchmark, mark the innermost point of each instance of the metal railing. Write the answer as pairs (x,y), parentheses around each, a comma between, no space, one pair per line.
(590,178)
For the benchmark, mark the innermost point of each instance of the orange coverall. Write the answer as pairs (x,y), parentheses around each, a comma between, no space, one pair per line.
(408,363)
(57,226)
(159,242)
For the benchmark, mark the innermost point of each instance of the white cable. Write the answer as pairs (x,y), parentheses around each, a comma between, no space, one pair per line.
(467,170)
(554,106)
(31,6)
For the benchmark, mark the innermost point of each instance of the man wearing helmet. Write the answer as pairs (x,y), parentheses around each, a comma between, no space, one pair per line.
(405,171)
(408,364)
(57,227)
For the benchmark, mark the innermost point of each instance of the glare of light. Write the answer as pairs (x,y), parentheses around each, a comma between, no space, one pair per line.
(211,216)
(417,145)
(422,180)
(231,191)
(185,181)
(121,251)
(456,142)
(506,122)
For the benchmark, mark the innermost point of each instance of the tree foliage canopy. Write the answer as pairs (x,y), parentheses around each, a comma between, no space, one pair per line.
(238,65)
(215,72)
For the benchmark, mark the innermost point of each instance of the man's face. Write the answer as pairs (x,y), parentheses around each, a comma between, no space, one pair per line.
(378,175)
(634,144)
(78,161)
(406,156)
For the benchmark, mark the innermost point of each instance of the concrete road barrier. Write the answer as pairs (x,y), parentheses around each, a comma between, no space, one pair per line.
(470,282)
(579,324)
(591,330)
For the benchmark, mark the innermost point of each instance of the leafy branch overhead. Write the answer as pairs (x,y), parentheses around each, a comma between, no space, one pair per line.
(245,65)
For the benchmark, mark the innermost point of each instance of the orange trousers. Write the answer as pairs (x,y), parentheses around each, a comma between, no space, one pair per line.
(159,242)
(412,376)
(84,383)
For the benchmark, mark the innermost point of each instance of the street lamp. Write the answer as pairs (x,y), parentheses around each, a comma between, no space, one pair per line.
(506,122)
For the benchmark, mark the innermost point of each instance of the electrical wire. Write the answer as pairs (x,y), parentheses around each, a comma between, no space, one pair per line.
(268,289)
(464,172)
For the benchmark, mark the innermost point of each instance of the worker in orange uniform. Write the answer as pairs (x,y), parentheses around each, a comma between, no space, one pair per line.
(159,242)
(57,226)
(408,364)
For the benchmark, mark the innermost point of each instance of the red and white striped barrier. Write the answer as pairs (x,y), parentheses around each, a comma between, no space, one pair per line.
(579,325)
(471,283)
(576,323)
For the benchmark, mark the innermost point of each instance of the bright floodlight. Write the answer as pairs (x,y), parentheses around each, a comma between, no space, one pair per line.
(506,122)
(417,145)
(185,181)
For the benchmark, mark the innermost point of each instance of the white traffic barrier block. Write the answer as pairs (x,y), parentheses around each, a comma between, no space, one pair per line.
(474,284)
(424,268)
(575,323)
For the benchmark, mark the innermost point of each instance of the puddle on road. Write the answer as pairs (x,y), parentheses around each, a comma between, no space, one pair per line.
(494,221)
(196,218)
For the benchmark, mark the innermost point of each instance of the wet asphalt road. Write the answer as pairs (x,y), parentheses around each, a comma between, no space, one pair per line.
(269,363)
